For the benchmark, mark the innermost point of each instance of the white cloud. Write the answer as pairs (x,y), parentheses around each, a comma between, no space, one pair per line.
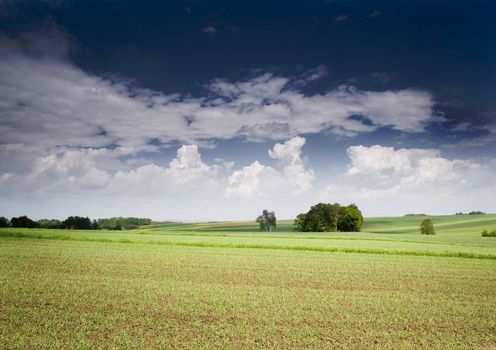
(252,180)
(57,172)
(385,172)
(379,160)
(185,172)
(293,170)
(291,176)
(385,181)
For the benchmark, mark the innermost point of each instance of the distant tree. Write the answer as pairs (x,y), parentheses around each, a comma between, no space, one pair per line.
(267,220)
(95,225)
(120,223)
(427,227)
(4,222)
(476,213)
(53,223)
(23,221)
(77,223)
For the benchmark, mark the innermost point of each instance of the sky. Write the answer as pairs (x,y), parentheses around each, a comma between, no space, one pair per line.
(216,110)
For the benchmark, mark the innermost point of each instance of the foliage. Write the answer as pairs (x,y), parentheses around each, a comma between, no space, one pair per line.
(300,222)
(427,227)
(50,223)
(326,217)
(23,221)
(4,222)
(421,214)
(77,223)
(120,223)
(350,219)
(486,233)
(267,220)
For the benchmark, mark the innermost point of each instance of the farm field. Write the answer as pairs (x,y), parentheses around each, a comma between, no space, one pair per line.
(225,285)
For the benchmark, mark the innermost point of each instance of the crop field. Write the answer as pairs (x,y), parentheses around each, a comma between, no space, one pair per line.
(226,285)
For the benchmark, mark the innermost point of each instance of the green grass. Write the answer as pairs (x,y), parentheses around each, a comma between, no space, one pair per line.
(223,285)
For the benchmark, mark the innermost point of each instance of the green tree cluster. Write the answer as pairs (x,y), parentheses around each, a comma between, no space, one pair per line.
(120,223)
(427,227)
(326,217)
(267,220)
(76,223)
(79,223)
(50,223)
(23,221)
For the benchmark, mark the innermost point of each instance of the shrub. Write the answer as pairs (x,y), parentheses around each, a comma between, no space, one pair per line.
(487,233)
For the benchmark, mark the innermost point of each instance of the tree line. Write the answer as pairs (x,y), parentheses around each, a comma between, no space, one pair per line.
(77,223)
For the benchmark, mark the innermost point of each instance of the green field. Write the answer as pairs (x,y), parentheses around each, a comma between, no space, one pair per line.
(225,285)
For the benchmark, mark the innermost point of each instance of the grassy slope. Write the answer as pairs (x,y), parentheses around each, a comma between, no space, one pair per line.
(192,286)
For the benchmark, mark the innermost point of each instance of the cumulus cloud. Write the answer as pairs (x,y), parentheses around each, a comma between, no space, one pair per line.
(290,176)
(385,172)
(252,180)
(95,169)
(379,160)
(186,171)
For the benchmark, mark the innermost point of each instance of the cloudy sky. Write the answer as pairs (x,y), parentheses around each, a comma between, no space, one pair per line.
(215,110)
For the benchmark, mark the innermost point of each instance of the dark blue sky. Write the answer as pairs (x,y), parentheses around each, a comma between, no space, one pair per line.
(142,78)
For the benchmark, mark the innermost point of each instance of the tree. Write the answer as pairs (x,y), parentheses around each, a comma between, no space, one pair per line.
(300,223)
(23,221)
(326,217)
(77,223)
(267,220)
(427,227)
(120,223)
(95,225)
(350,219)
(47,223)
(4,222)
